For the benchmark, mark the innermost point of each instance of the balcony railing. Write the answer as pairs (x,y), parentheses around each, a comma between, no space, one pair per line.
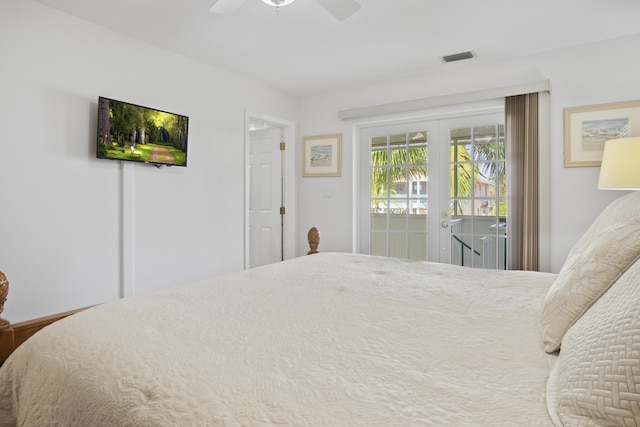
(478,242)
(481,239)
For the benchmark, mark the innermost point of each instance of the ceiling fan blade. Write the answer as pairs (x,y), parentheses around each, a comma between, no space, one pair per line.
(226,6)
(340,9)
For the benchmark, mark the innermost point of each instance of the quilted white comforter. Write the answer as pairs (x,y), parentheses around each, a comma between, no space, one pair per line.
(324,340)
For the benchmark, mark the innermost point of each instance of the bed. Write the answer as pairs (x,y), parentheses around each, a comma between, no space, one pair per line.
(337,339)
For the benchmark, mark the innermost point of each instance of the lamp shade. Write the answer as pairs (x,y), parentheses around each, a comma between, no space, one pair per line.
(620,168)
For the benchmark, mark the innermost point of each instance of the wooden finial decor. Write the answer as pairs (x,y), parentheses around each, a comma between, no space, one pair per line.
(313,236)
(4,291)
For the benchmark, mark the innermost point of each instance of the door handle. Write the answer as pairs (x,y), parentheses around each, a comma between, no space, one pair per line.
(444,224)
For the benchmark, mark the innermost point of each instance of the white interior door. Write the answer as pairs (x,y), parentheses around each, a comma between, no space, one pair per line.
(265,198)
(269,236)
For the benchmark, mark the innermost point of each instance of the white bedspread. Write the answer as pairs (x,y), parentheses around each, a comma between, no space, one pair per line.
(325,340)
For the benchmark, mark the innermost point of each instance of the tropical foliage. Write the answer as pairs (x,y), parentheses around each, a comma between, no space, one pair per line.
(404,165)
(472,160)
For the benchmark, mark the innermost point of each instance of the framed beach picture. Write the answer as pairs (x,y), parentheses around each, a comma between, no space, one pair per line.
(322,155)
(587,128)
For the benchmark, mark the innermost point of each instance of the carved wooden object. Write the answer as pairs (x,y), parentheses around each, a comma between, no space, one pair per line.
(313,236)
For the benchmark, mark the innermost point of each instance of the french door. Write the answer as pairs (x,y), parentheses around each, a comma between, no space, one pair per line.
(436,191)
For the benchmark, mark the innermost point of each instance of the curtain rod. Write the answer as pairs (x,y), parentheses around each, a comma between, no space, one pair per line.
(444,100)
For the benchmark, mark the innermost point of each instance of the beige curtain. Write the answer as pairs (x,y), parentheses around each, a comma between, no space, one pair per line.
(521,130)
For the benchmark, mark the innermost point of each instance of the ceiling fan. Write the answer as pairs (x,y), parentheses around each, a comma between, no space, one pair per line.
(340,9)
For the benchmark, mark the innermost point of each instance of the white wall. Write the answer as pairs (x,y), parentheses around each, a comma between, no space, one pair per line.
(584,75)
(61,223)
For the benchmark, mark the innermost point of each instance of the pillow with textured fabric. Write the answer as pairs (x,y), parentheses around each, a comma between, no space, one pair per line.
(596,377)
(585,276)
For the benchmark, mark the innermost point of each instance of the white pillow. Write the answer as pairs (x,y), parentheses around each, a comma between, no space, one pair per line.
(596,379)
(587,274)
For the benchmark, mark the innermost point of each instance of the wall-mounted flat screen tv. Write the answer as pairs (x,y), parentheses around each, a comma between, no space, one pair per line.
(141,134)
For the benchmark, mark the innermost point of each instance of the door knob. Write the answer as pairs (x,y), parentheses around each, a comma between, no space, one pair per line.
(444,224)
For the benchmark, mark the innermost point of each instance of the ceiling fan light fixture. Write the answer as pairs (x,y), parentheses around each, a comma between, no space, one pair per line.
(278,3)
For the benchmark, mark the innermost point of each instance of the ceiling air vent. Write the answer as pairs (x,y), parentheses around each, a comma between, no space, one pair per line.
(458,56)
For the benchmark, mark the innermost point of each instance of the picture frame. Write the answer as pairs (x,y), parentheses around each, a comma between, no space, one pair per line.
(587,128)
(322,155)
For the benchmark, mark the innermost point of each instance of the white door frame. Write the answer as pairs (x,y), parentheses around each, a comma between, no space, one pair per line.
(288,175)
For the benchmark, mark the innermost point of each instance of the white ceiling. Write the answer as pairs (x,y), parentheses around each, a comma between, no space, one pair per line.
(304,49)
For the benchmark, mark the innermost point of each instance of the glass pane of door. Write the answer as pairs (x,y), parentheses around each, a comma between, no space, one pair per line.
(478,196)
(399,195)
